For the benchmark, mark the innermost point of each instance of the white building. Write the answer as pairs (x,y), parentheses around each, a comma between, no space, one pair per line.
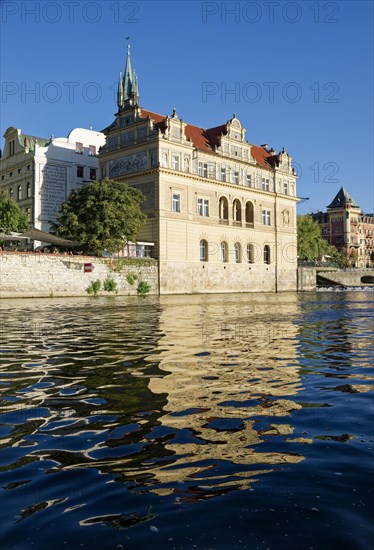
(40,173)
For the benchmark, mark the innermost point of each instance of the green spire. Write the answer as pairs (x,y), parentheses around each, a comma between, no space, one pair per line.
(120,92)
(128,79)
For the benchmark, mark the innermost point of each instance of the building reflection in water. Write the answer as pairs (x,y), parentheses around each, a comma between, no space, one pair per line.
(191,396)
(231,377)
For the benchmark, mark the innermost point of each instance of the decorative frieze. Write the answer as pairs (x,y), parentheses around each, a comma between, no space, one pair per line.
(128,165)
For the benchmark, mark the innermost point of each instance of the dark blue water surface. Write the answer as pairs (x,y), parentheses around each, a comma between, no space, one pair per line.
(209,422)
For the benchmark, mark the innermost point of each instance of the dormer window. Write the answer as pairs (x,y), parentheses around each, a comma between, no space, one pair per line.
(79,148)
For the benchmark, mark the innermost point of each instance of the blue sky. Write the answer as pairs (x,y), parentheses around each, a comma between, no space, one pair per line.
(300,75)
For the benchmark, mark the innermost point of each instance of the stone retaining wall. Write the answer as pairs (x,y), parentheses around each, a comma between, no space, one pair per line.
(45,275)
(346,278)
(306,279)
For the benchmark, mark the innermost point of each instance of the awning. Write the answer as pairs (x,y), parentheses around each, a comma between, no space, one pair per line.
(43,236)
(12,236)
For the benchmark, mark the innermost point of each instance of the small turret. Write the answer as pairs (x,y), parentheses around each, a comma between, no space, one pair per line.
(120,92)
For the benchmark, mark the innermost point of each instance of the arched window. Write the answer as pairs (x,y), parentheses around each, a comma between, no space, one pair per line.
(28,189)
(223,211)
(224,252)
(203,251)
(237,212)
(249,214)
(250,254)
(19,192)
(266,254)
(237,253)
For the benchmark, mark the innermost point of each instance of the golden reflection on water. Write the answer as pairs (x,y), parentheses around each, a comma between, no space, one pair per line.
(227,358)
(218,374)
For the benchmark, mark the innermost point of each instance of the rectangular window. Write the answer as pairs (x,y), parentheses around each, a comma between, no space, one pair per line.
(223,174)
(249,180)
(263,183)
(92,173)
(176,206)
(200,207)
(19,170)
(265,217)
(79,171)
(79,148)
(203,207)
(206,207)
(236,177)
(175,162)
(200,169)
(92,150)
(285,188)
(266,185)
(205,170)
(28,166)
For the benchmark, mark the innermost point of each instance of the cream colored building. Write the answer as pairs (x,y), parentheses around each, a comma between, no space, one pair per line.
(221,211)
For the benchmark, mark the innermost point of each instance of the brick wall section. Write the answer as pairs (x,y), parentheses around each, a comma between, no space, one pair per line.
(43,275)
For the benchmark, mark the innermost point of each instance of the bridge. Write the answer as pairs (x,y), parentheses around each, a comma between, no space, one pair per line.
(309,276)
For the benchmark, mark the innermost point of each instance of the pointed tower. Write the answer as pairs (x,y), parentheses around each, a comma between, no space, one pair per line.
(120,98)
(135,90)
(344,215)
(128,89)
(128,78)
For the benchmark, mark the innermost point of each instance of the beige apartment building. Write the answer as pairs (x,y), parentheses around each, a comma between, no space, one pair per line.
(221,211)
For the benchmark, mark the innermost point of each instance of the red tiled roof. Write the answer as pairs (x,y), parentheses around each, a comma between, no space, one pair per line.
(207,140)
(159,119)
(262,156)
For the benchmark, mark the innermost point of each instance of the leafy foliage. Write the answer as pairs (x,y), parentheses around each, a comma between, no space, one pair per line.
(131,278)
(101,215)
(94,287)
(143,288)
(110,284)
(11,216)
(310,243)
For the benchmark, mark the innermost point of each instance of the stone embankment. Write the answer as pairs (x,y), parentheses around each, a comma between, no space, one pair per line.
(28,275)
(349,277)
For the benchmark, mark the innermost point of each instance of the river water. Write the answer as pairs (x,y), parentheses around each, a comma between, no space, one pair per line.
(214,422)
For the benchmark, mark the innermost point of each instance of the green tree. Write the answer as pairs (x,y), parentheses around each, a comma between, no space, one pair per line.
(101,215)
(11,216)
(310,243)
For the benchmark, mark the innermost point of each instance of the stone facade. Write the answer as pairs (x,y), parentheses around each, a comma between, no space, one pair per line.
(43,275)
(221,211)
